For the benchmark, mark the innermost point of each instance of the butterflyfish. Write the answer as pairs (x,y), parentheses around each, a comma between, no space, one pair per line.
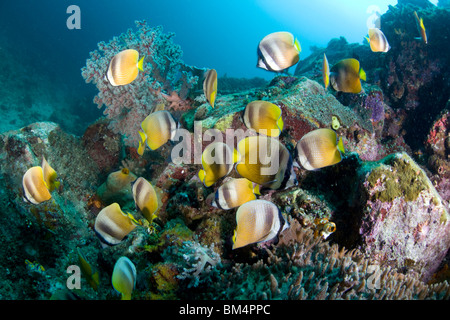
(124,277)
(377,40)
(257,221)
(112,225)
(146,198)
(265,161)
(50,176)
(91,275)
(278,51)
(158,128)
(319,148)
(234,193)
(124,67)
(210,86)
(346,76)
(264,117)
(325,71)
(218,160)
(38,182)
(421,27)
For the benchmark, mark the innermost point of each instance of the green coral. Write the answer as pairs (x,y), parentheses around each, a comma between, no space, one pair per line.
(175,233)
(400,179)
(225,122)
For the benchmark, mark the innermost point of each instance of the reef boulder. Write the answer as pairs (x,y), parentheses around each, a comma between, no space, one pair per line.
(402,219)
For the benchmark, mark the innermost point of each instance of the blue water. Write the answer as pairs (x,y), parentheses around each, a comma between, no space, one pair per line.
(212,34)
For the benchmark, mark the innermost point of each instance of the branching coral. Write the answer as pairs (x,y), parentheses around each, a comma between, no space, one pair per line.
(200,260)
(302,266)
(164,70)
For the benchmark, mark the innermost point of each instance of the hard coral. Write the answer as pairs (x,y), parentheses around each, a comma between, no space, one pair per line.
(316,270)
(199,259)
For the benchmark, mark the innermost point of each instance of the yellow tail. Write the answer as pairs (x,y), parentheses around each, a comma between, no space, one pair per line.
(340,145)
(362,74)
(202,175)
(141,64)
(256,190)
(280,123)
(297,45)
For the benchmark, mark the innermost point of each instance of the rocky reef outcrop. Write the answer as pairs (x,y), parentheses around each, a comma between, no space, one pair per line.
(389,216)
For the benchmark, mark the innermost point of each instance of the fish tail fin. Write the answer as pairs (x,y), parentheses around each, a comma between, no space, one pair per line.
(256,189)
(362,74)
(280,123)
(56,184)
(297,45)
(421,24)
(141,148)
(212,98)
(340,145)
(202,175)
(126,296)
(234,238)
(236,156)
(368,40)
(142,140)
(95,281)
(141,64)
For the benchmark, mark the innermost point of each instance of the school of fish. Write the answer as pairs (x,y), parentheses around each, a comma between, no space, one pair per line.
(261,160)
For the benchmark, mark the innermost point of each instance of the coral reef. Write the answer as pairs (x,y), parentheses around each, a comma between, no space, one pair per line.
(387,200)
(127,106)
(406,214)
(438,150)
(313,269)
